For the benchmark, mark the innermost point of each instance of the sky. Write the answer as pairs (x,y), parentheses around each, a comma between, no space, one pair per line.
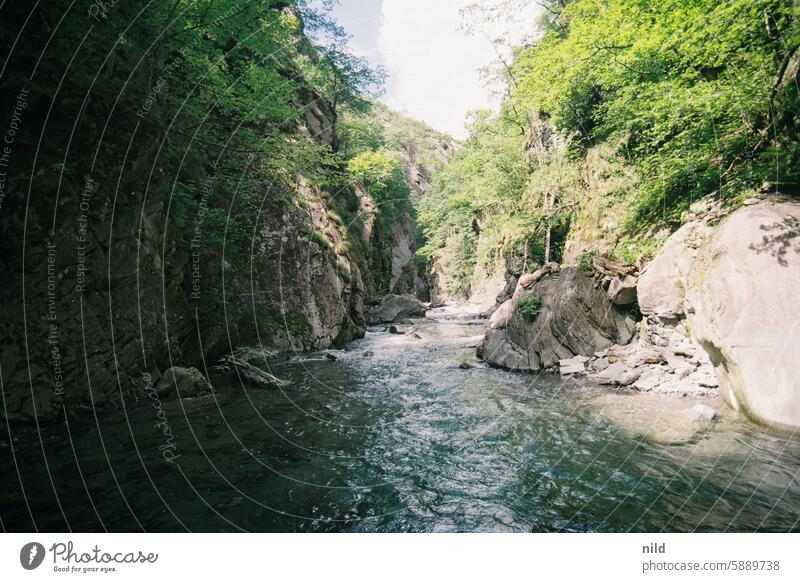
(433,67)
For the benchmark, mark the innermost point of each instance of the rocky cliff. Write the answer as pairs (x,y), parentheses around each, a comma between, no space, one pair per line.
(105,287)
(134,241)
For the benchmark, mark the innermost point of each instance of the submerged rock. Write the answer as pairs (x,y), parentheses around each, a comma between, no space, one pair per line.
(662,419)
(183,383)
(574,318)
(700,413)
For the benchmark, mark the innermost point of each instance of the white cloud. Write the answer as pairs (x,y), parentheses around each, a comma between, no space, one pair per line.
(432,65)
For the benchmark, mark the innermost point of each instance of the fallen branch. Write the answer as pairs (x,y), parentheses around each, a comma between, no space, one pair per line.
(250,374)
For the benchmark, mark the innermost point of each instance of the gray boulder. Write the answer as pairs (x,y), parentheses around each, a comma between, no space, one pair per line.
(662,285)
(393,308)
(183,383)
(622,290)
(575,318)
(742,297)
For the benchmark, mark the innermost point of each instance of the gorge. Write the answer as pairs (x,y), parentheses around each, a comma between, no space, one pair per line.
(243,294)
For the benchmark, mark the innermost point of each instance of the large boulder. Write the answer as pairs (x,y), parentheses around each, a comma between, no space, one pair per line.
(393,308)
(661,288)
(742,307)
(574,318)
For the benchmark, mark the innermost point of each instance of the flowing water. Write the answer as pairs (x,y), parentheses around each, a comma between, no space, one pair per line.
(399,440)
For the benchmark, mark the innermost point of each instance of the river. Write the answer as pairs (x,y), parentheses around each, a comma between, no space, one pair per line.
(394,436)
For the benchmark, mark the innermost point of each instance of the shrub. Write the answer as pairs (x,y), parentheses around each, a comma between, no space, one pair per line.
(530,307)
(585,260)
(344,247)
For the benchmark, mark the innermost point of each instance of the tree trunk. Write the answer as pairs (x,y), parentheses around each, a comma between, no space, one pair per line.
(548,202)
(547,246)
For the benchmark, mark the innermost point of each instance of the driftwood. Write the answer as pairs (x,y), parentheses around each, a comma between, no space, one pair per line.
(253,375)
(527,281)
(606,267)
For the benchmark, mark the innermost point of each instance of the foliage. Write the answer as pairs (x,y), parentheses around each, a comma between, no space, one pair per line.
(484,179)
(586,258)
(378,148)
(643,248)
(212,91)
(276,322)
(320,239)
(529,306)
(687,85)
(620,112)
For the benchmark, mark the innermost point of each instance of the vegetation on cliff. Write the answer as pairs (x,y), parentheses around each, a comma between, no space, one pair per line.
(617,117)
(392,157)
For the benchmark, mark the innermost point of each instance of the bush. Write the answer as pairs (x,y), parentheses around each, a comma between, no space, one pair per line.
(585,260)
(530,307)
(644,248)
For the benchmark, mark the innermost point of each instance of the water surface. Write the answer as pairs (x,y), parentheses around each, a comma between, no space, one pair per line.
(398,440)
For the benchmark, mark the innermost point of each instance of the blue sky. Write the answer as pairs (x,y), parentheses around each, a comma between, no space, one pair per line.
(433,67)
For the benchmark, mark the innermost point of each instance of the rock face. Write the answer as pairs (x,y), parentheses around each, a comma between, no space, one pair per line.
(183,383)
(316,291)
(136,294)
(742,307)
(393,308)
(662,285)
(720,308)
(407,277)
(486,288)
(574,318)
